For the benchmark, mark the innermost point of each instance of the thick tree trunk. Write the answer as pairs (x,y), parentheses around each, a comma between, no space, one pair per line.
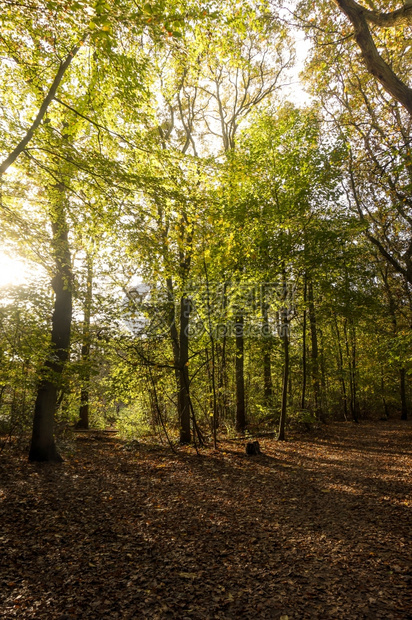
(43,447)
(240,377)
(83,421)
(180,347)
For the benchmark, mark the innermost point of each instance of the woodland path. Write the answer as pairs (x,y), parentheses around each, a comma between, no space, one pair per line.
(315,528)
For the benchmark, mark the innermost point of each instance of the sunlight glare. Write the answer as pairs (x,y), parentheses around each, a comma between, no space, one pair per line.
(12,271)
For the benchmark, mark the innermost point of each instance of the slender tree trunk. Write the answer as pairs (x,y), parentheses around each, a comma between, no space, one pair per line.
(354,376)
(267,364)
(285,339)
(402,371)
(219,378)
(314,353)
(43,447)
(174,334)
(341,371)
(222,377)
(351,356)
(404,411)
(348,356)
(304,364)
(385,404)
(240,377)
(290,389)
(267,378)
(323,382)
(83,421)
(184,396)
(212,368)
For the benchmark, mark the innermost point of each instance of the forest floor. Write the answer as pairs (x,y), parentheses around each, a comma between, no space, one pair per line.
(317,527)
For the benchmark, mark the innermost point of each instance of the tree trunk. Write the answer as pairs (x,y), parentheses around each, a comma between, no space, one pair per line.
(174,334)
(351,356)
(43,447)
(267,378)
(385,404)
(341,371)
(404,411)
(184,396)
(240,377)
(314,353)
(304,365)
(180,347)
(354,376)
(402,371)
(323,379)
(83,421)
(285,339)
(267,365)
(222,372)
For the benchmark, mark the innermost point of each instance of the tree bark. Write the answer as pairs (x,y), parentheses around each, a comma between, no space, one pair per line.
(43,447)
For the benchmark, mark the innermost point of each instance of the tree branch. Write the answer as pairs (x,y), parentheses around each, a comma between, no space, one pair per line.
(387,20)
(359,17)
(42,111)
